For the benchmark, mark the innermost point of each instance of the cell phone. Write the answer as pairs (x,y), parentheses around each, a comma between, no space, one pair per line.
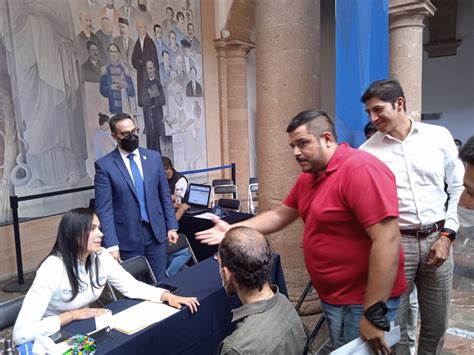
(102,336)
(60,336)
(170,288)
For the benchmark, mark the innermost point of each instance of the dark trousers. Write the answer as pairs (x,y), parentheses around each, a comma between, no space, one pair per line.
(154,251)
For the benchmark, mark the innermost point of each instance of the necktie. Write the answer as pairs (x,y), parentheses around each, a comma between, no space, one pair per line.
(139,186)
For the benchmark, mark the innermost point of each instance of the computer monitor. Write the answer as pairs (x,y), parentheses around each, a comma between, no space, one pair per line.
(198,195)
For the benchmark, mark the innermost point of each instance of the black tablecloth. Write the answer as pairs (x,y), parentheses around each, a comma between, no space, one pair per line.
(183,332)
(189,225)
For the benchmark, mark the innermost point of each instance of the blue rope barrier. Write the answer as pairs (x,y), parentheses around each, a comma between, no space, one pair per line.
(189,172)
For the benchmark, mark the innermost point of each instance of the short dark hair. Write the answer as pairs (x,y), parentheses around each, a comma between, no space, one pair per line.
(169,8)
(90,43)
(167,163)
(369,128)
(385,90)
(248,256)
(190,24)
(317,122)
(164,51)
(178,14)
(103,118)
(170,32)
(155,27)
(115,45)
(117,118)
(466,153)
(193,68)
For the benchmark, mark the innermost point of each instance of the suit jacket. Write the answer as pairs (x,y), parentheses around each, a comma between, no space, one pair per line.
(117,202)
(90,71)
(189,90)
(125,55)
(139,59)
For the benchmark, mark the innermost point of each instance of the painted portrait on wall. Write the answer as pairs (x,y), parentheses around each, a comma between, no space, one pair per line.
(72,63)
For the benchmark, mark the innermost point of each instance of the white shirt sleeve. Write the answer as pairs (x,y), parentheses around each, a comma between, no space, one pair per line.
(30,322)
(454,173)
(126,283)
(181,185)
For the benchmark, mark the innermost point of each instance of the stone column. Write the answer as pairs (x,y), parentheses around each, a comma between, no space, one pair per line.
(232,57)
(288,81)
(406,48)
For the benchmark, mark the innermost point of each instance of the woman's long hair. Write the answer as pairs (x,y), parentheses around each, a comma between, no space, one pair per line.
(71,244)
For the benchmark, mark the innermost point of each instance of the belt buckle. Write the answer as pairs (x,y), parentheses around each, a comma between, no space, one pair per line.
(427,231)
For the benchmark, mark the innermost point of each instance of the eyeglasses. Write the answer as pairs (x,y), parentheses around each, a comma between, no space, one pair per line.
(135,131)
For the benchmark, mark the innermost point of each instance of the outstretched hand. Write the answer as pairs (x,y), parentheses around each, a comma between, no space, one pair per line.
(178,301)
(214,235)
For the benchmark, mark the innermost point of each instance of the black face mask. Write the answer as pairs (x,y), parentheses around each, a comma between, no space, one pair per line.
(129,142)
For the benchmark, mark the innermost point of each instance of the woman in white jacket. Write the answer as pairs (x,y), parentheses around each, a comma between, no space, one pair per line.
(74,275)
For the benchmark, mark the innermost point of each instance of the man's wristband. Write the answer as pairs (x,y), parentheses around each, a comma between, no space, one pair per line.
(375,314)
(448,233)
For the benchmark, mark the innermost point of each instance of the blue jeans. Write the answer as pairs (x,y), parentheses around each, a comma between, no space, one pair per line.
(176,261)
(344,320)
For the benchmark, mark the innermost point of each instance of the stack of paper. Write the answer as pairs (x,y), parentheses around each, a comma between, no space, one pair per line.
(140,316)
(360,347)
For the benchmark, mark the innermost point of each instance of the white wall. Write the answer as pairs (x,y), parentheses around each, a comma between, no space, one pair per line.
(448,82)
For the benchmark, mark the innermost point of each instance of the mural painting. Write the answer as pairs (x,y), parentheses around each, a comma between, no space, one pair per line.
(69,65)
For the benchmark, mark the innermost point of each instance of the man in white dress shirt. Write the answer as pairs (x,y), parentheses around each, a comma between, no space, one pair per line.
(428,172)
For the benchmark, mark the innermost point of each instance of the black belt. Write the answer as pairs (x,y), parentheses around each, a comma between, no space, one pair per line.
(424,231)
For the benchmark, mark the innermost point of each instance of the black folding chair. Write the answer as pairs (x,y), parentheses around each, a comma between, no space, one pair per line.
(140,269)
(229,203)
(182,243)
(319,323)
(9,311)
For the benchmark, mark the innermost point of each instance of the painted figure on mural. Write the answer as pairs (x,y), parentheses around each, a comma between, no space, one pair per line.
(165,68)
(169,22)
(125,43)
(103,141)
(44,68)
(110,12)
(92,67)
(153,102)
(87,34)
(143,52)
(188,55)
(116,83)
(159,42)
(193,88)
(175,49)
(195,43)
(105,34)
(180,27)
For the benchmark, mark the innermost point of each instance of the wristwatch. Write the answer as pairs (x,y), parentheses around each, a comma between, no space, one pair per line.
(448,233)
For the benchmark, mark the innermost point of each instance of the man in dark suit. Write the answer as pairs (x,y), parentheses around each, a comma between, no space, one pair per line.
(133,199)
(193,89)
(91,68)
(143,52)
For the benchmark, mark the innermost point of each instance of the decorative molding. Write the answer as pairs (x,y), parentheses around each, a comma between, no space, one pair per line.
(409,13)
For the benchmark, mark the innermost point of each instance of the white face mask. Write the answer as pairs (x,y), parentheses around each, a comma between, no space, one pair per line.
(226,285)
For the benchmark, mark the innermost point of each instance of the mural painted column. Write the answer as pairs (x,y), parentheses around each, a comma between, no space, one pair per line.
(288,81)
(406,48)
(232,58)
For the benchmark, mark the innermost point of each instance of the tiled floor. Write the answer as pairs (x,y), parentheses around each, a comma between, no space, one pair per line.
(460,334)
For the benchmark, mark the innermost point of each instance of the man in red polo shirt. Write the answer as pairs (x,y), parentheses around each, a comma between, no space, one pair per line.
(348,202)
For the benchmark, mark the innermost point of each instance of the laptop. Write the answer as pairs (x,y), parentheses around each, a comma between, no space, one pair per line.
(197,197)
